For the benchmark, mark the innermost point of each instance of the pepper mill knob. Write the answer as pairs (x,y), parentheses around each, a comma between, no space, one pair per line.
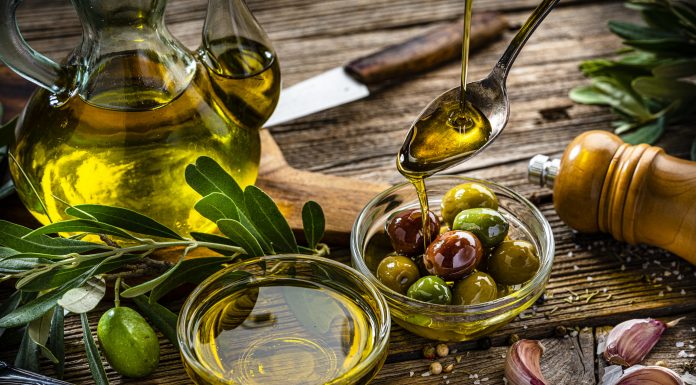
(638,194)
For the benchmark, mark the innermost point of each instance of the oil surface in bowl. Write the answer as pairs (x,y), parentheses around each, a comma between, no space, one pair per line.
(284,331)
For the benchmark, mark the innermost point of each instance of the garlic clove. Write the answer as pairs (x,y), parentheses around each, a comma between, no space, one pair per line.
(629,342)
(650,375)
(523,363)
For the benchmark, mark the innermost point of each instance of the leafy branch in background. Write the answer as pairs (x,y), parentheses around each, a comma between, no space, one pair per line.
(53,274)
(648,87)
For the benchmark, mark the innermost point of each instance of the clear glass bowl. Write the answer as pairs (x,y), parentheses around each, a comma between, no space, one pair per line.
(284,319)
(450,322)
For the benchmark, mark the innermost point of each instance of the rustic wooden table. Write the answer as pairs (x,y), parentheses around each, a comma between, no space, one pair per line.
(360,140)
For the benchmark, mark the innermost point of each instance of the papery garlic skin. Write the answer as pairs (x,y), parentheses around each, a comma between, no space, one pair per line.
(650,375)
(629,342)
(523,363)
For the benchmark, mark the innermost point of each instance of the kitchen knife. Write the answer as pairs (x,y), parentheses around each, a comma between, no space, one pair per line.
(356,79)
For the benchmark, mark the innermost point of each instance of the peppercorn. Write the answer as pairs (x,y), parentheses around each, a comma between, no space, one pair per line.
(442,350)
(429,352)
(435,368)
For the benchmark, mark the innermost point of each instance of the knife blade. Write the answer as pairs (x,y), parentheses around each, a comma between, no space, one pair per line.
(360,77)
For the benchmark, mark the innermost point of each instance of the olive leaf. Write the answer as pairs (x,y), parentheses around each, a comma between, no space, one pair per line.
(8,305)
(161,318)
(56,340)
(216,206)
(16,237)
(240,235)
(39,330)
(313,223)
(87,226)
(28,354)
(268,220)
(191,271)
(96,367)
(646,87)
(84,298)
(207,177)
(123,218)
(212,238)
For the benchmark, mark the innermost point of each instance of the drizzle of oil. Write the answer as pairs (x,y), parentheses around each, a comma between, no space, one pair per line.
(283,332)
(453,131)
(128,145)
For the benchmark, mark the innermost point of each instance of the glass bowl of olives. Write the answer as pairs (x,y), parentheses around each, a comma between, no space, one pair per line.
(284,319)
(486,256)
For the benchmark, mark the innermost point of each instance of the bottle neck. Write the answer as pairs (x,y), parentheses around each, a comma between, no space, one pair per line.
(128,59)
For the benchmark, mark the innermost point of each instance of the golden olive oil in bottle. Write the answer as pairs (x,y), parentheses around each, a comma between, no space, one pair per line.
(127,143)
(283,331)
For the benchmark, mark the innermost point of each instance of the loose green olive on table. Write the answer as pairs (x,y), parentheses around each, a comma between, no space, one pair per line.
(471,259)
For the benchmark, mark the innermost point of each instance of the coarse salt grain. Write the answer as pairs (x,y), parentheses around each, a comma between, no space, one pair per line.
(682,354)
(576,268)
(683,292)
(679,344)
(661,294)
(410,374)
(589,278)
(623,267)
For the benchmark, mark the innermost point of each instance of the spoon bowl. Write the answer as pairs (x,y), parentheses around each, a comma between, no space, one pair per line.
(488,95)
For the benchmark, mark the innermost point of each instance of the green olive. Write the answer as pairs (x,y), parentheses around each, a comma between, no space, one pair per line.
(478,287)
(397,273)
(488,225)
(130,345)
(466,196)
(432,289)
(513,262)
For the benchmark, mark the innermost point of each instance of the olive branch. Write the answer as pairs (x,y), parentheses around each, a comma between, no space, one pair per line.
(53,275)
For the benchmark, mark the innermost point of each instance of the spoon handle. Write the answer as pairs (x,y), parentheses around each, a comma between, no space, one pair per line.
(502,69)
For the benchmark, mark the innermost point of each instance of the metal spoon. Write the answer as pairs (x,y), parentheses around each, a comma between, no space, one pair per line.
(489,95)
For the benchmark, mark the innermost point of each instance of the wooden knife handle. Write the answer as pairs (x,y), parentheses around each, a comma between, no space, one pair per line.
(426,51)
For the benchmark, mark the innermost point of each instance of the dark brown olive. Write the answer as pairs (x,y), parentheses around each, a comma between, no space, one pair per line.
(453,254)
(405,230)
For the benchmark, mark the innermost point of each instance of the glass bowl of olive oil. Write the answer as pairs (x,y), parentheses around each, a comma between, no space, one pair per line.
(284,319)
(370,244)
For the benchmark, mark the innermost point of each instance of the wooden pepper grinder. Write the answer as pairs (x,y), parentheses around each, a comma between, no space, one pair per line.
(638,194)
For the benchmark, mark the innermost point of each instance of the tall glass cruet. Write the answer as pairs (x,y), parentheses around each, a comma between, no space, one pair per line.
(119,119)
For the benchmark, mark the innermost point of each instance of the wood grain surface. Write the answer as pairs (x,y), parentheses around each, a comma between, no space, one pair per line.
(595,281)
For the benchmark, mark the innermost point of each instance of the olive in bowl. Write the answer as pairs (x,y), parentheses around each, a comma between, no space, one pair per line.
(453,254)
(478,287)
(456,321)
(405,231)
(466,196)
(488,225)
(398,273)
(513,262)
(431,289)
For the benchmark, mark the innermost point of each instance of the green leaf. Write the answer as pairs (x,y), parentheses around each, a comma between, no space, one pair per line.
(216,206)
(125,219)
(19,265)
(93,358)
(151,284)
(8,305)
(191,271)
(666,46)
(7,133)
(39,330)
(212,238)
(58,277)
(664,88)
(36,308)
(28,354)
(630,31)
(260,238)
(161,318)
(313,223)
(240,235)
(13,236)
(621,97)
(588,95)
(648,133)
(207,177)
(676,69)
(56,340)
(84,298)
(268,220)
(81,226)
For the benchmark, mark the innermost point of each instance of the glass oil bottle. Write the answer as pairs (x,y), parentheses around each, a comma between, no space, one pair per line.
(131,107)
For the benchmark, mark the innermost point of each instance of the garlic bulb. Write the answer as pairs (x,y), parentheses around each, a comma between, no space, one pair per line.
(522,366)
(629,342)
(650,375)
